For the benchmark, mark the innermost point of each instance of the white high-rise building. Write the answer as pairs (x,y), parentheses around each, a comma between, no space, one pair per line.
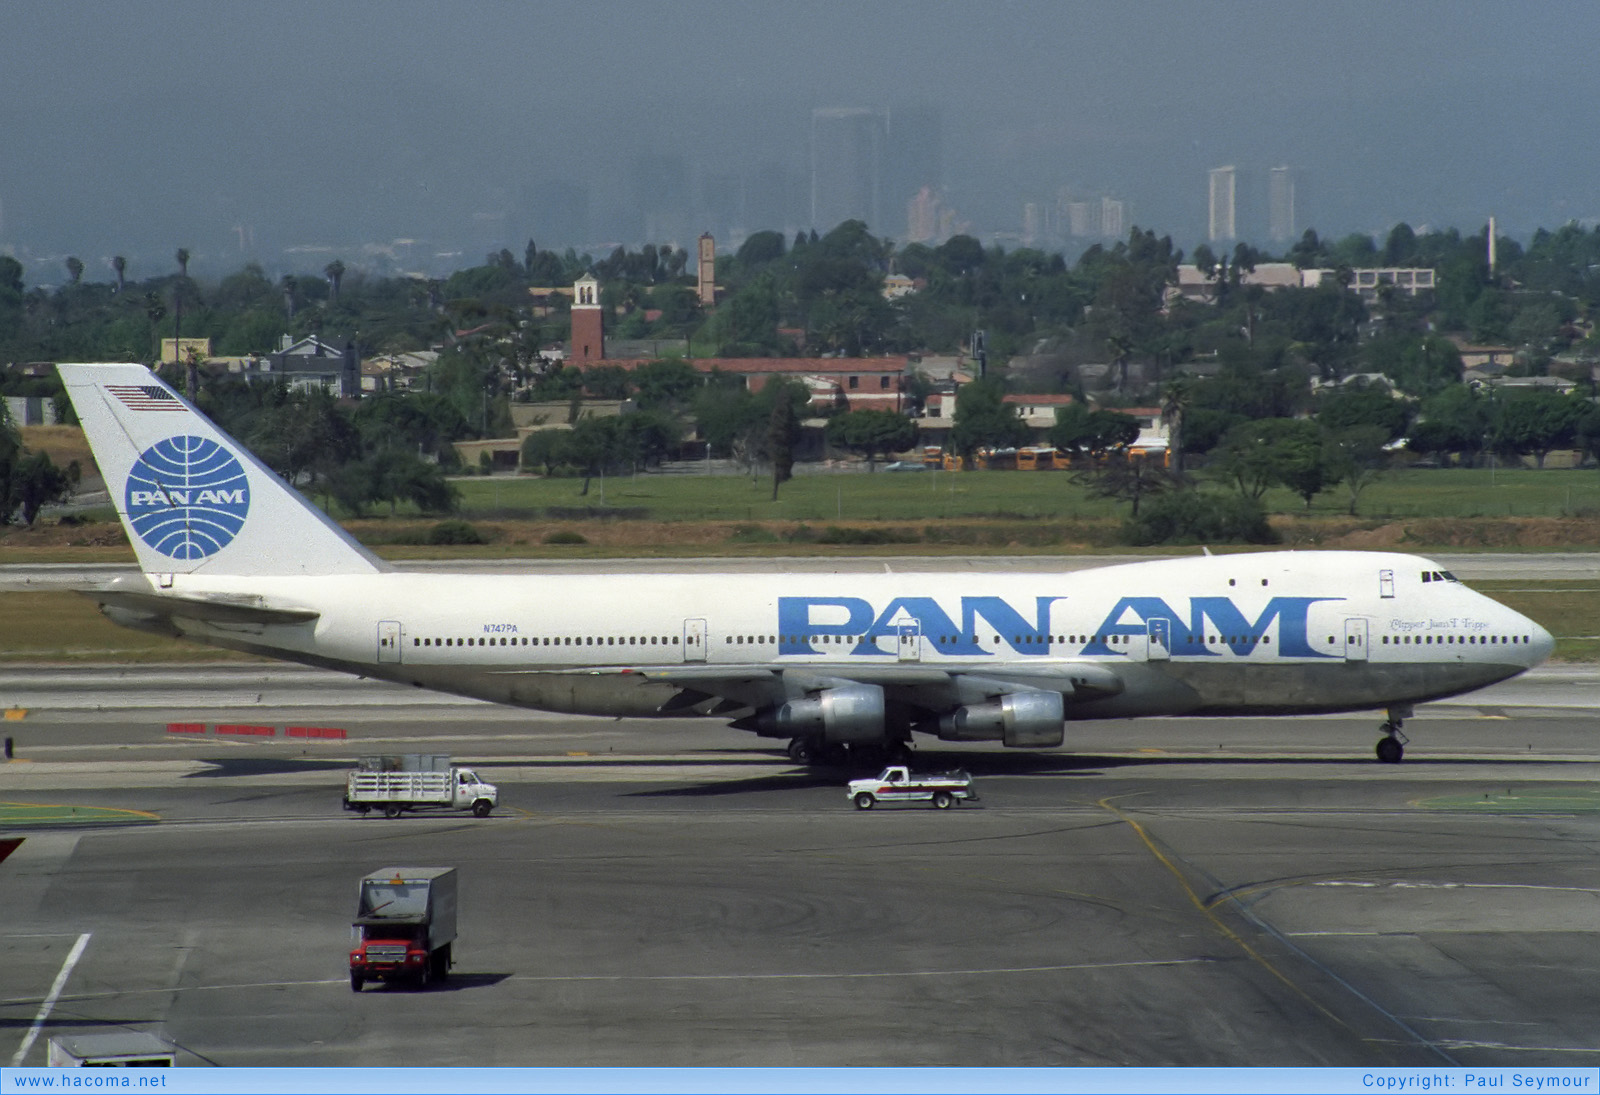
(1281,223)
(846,167)
(1113,215)
(1224,193)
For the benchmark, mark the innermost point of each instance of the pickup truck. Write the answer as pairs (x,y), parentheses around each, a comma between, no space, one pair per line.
(897,784)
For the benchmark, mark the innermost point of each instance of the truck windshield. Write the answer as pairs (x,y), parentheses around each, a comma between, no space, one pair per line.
(393,899)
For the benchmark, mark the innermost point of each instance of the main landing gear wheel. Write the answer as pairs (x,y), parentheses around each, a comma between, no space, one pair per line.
(803,751)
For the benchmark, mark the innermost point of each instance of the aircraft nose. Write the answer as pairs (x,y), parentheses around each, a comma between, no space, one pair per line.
(1540,644)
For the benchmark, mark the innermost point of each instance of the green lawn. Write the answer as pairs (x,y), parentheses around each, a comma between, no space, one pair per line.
(898,496)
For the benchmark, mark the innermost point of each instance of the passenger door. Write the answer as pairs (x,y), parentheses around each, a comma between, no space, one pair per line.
(909,641)
(694,640)
(1355,640)
(1158,641)
(388,641)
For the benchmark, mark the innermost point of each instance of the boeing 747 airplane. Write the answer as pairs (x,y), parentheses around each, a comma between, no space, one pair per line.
(234,557)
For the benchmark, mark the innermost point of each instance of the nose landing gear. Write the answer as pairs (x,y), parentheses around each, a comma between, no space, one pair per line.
(1391,747)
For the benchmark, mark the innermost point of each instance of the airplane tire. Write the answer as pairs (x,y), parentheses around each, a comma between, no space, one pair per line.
(802,751)
(865,801)
(1390,751)
(481,808)
(943,800)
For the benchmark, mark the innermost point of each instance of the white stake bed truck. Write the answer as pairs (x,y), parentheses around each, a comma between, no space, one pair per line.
(416,781)
(896,784)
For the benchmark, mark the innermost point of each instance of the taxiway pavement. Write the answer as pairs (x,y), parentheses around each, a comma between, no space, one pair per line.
(677,893)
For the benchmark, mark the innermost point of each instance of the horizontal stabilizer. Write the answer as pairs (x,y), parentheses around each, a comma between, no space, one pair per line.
(217,608)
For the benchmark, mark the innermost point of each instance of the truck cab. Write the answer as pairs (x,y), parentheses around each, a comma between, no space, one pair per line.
(405,926)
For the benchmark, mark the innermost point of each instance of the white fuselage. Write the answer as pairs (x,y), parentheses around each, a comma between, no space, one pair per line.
(1280,632)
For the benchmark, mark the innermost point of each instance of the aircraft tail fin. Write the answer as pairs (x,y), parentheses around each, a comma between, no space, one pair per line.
(192,499)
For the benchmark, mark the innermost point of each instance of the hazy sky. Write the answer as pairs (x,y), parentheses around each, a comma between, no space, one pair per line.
(292,132)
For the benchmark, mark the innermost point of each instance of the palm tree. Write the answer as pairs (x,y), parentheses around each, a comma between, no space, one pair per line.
(1174,402)
(335,272)
(156,311)
(75,268)
(288,295)
(120,265)
(183,262)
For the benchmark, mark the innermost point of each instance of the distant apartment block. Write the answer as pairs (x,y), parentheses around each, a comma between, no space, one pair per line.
(922,217)
(1281,223)
(1367,281)
(1112,217)
(846,166)
(1223,199)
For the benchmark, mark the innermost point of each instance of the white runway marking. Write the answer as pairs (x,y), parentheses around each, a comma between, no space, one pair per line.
(50,1000)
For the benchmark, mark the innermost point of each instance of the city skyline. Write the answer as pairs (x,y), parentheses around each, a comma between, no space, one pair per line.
(457,131)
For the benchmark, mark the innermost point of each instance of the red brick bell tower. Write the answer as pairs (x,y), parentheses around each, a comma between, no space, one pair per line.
(588,327)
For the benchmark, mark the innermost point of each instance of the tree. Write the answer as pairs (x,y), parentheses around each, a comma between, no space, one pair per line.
(870,433)
(546,449)
(667,383)
(592,447)
(1355,456)
(783,431)
(75,268)
(183,262)
(984,420)
(1127,477)
(1358,404)
(1535,422)
(120,265)
(335,274)
(1194,517)
(1080,431)
(1176,395)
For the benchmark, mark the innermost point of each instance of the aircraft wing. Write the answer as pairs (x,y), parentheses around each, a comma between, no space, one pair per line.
(929,688)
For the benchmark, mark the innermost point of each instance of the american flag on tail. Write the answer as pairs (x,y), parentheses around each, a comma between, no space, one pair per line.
(145,397)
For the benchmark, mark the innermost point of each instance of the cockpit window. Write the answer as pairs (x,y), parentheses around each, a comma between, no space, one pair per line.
(1438,576)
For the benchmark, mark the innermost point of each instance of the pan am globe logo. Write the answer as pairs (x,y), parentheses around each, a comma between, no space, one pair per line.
(187,497)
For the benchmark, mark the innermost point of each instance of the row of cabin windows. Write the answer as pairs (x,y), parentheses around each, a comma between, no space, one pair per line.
(567,640)
(1452,640)
(950,640)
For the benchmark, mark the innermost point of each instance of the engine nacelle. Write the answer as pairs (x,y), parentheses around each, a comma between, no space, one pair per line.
(1023,720)
(851,713)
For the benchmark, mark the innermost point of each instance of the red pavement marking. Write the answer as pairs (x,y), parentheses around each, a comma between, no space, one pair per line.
(315,732)
(8,846)
(257,731)
(186,728)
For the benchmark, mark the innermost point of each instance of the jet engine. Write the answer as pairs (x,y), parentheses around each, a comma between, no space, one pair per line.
(851,713)
(1022,720)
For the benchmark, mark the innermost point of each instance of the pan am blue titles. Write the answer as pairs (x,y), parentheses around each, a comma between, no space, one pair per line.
(233,557)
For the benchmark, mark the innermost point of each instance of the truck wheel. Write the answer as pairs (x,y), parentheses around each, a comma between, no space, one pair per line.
(391,810)
(943,800)
(424,974)
(356,981)
(481,808)
(441,963)
(865,801)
